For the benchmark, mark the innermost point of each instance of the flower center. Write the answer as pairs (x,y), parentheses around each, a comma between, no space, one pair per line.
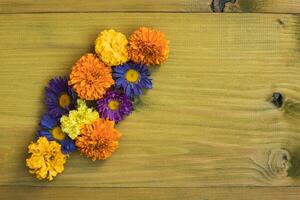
(132,76)
(57,133)
(149,50)
(113,105)
(52,157)
(64,100)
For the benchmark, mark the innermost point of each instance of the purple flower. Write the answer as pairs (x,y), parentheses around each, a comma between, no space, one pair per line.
(114,105)
(132,78)
(60,98)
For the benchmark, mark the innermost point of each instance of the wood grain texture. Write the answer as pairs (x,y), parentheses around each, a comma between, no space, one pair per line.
(263,6)
(38,6)
(217,193)
(208,122)
(27,6)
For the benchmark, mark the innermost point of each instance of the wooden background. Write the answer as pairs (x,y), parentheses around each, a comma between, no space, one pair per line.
(207,131)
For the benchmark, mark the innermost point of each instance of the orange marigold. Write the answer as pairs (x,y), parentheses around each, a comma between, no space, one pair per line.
(98,140)
(90,77)
(148,46)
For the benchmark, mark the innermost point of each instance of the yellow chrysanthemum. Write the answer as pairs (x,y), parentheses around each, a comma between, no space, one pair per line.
(46,160)
(112,47)
(72,123)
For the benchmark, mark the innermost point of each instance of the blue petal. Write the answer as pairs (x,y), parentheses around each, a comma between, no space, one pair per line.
(120,69)
(48,122)
(128,90)
(119,82)
(135,90)
(67,146)
(118,75)
(55,88)
(146,83)
(139,90)
(46,134)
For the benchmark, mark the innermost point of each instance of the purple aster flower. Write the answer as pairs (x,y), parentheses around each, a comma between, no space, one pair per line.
(132,78)
(51,130)
(60,98)
(114,106)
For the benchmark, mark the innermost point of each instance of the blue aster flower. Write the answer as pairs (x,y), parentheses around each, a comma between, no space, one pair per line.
(50,128)
(132,78)
(60,97)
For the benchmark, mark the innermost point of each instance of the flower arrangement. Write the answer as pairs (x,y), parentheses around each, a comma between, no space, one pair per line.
(109,80)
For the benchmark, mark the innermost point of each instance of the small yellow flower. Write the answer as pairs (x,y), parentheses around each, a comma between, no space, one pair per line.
(72,123)
(46,160)
(112,47)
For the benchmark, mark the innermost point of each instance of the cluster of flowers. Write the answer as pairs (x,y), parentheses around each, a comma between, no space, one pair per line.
(82,109)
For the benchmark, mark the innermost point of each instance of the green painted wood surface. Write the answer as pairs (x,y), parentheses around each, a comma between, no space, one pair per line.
(239,193)
(44,6)
(206,131)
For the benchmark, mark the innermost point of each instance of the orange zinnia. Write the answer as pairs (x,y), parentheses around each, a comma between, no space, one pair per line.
(148,46)
(90,77)
(98,140)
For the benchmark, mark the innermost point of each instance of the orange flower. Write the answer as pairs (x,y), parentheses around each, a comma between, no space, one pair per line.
(148,46)
(98,140)
(90,77)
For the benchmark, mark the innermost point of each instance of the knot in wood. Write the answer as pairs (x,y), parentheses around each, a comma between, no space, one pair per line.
(279,162)
(277,99)
(219,5)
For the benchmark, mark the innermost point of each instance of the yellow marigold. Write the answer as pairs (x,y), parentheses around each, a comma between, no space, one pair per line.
(90,77)
(98,140)
(148,46)
(72,123)
(112,47)
(46,160)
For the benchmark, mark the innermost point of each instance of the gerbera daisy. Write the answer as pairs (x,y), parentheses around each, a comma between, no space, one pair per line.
(90,77)
(60,98)
(72,123)
(114,106)
(112,47)
(98,140)
(52,131)
(46,160)
(148,46)
(132,78)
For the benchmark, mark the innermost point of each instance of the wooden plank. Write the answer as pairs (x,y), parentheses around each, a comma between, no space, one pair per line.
(259,6)
(27,6)
(256,6)
(207,122)
(232,193)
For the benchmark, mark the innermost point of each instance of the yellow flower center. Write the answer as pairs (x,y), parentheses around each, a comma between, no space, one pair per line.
(132,76)
(113,105)
(57,133)
(64,100)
